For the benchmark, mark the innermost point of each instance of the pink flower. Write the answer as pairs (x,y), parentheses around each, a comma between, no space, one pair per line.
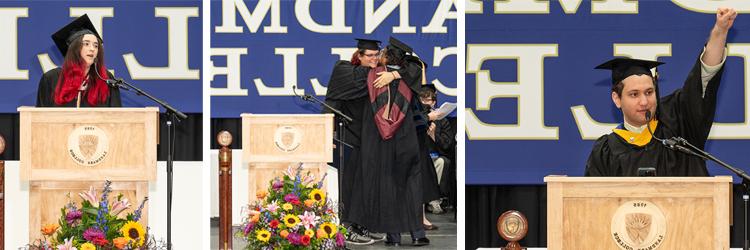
(291,198)
(68,245)
(339,240)
(308,219)
(119,206)
(93,234)
(272,207)
(90,196)
(73,216)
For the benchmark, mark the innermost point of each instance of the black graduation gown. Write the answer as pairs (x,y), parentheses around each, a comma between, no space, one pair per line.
(683,113)
(347,92)
(46,93)
(387,192)
(444,144)
(430,186)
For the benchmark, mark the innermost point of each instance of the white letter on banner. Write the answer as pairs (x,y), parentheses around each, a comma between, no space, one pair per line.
(252,19)
(177,63)
(373,18)
(591,129)
(290,75)
(232,71)
(529,91)
(442,12)
(438,57)
(736,130)
(742,6)
(344,54)
(9,44)
(474,7)
(614,7)
(522,7)
(338,21)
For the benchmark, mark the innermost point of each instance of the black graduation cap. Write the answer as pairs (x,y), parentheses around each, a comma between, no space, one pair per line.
(74,30)
(624,67)
(368,44)
(399,46)
(429,86)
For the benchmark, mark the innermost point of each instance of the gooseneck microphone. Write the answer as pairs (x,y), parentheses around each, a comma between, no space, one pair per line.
(671,143)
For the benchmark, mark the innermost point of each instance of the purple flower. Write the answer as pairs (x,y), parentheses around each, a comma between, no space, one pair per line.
(92,234)
(294,238)
(277,185)
(72,216)
(249,228)
(291,198)
(339,240)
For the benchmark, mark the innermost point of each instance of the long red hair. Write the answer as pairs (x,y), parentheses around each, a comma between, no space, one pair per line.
(72,76)
(355,57)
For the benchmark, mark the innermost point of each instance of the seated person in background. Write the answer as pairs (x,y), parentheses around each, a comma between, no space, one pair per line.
(440,143)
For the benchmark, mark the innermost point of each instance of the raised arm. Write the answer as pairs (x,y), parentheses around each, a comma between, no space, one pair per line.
(718,38)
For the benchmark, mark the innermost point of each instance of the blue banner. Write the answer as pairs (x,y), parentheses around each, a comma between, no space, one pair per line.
(154,45)
(264,51)
(535,104)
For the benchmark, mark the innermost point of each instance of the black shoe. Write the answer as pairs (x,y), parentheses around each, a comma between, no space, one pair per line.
(420,242)
(392,244)
(357,239)
(377,237)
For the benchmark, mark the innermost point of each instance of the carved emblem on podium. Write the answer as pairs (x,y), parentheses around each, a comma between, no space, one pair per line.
(88,145)
(287,138)
(638,224)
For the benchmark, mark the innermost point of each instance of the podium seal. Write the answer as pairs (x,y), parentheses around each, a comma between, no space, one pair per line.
(287,138)
(512,226)
(638,224)
(88,145)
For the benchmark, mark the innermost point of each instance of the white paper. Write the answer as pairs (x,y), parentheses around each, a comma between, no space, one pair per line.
(445,110)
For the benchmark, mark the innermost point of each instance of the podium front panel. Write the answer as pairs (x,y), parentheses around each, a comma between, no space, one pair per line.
(287,138)
(88,144)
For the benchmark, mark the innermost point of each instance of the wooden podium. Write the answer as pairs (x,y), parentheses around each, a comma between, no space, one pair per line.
(66,150)
(638,212)
(271,143)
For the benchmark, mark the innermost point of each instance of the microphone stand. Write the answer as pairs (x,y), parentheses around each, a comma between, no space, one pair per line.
(343,120)
(173,115)
(682,145)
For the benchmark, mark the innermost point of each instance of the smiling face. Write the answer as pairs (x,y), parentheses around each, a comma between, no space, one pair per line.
(638,96)
(89,49)
(369,58)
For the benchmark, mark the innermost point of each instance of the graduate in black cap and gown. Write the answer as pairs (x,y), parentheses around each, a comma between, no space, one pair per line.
(81,81)
(347,92)
(688,113)
(387,193)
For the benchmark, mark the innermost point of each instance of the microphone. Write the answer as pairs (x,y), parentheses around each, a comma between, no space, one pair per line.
(304,97)
(116,83)
(670,143)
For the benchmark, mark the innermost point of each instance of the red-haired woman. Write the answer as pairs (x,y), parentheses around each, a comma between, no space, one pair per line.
(81,81)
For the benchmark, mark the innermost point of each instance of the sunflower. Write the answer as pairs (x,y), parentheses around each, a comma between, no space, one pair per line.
(291,220)
(133,232)
(87,246)
(329,229)
(263,235)
(317,195)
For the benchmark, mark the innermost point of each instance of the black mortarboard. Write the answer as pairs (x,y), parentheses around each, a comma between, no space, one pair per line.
(624,67)
(75,29)
(429,86)
(368,44)
(401,47)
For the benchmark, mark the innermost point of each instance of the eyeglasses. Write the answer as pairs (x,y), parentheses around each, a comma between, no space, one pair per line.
(372,55)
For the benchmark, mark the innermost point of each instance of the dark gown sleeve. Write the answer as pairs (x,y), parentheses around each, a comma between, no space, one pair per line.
(687,111)
(443,138)
(114,99)
(45,90)
(411,73)
(347,82)
(599,160)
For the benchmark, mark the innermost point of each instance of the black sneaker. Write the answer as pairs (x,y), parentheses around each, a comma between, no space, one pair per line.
(357,239)
(377,237)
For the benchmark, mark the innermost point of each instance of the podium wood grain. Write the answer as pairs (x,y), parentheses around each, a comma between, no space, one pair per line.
(580,210)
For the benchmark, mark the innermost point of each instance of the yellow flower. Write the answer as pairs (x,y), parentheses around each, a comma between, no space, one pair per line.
(287,206)
(291,220)
(133,231)
(309,233)
(49,229)
(329,229)
(88,246)
(120,242)
(263,235)
(284,233)
(317,195)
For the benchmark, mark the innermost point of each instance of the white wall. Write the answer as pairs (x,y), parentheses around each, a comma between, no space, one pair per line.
(240,184)
(188,217)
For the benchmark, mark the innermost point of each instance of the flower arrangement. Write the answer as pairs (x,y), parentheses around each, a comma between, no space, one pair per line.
(98,223)
(292,214)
